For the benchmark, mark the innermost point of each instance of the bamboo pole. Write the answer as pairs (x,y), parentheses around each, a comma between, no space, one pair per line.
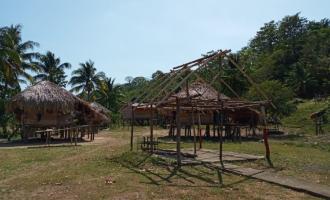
(178,132)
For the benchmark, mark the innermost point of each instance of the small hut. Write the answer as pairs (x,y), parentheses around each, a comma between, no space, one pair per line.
(46,105)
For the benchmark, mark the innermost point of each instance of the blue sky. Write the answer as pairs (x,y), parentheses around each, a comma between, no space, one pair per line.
(138,37)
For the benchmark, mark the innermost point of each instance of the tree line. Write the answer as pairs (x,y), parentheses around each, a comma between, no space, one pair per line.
(289,59)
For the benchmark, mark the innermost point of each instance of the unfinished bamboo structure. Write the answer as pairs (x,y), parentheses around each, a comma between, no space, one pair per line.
(191,104)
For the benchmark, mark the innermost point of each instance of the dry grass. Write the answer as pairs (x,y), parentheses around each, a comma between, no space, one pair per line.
(80,173)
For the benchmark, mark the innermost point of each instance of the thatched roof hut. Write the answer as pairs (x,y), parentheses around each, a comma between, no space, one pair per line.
(101,109)
(45,104)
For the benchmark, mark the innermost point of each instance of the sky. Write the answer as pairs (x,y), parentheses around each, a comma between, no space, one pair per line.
(137,37)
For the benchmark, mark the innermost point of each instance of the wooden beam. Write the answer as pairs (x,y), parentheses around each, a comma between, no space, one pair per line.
(165,87)
(230,88)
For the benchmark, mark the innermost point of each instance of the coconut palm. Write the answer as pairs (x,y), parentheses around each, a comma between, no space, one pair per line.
(16,56)
(108,94)
(51,69)
(85,79)
(15,62)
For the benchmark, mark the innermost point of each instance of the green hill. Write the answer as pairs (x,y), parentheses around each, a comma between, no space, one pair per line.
(300,121)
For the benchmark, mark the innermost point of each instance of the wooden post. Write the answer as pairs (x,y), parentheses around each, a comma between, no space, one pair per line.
(47,138)
(316,127)
(178,132)
(193,127)
(132,127)
(220,138)
(151,129)
(207,130)
(214,122)
(239,134)
(94,132)
(76,137)
(199,130)
(265,136)
(70,134)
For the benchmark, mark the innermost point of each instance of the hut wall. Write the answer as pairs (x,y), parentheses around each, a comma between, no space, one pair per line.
(45,119)
(139,113)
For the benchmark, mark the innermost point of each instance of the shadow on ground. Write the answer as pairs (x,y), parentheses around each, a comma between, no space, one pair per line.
(39,143)
(160,171)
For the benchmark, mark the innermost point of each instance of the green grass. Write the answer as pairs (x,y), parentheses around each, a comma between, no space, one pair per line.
(303,161)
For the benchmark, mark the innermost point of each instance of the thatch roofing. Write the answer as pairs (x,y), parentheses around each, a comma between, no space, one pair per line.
(202,91)
(90,114)
(101,109)
(44,95)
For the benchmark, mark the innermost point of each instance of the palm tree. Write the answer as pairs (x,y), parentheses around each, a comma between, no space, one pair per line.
(15,56)
(15,62)
(52,69)
(108,94)
(85,79)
